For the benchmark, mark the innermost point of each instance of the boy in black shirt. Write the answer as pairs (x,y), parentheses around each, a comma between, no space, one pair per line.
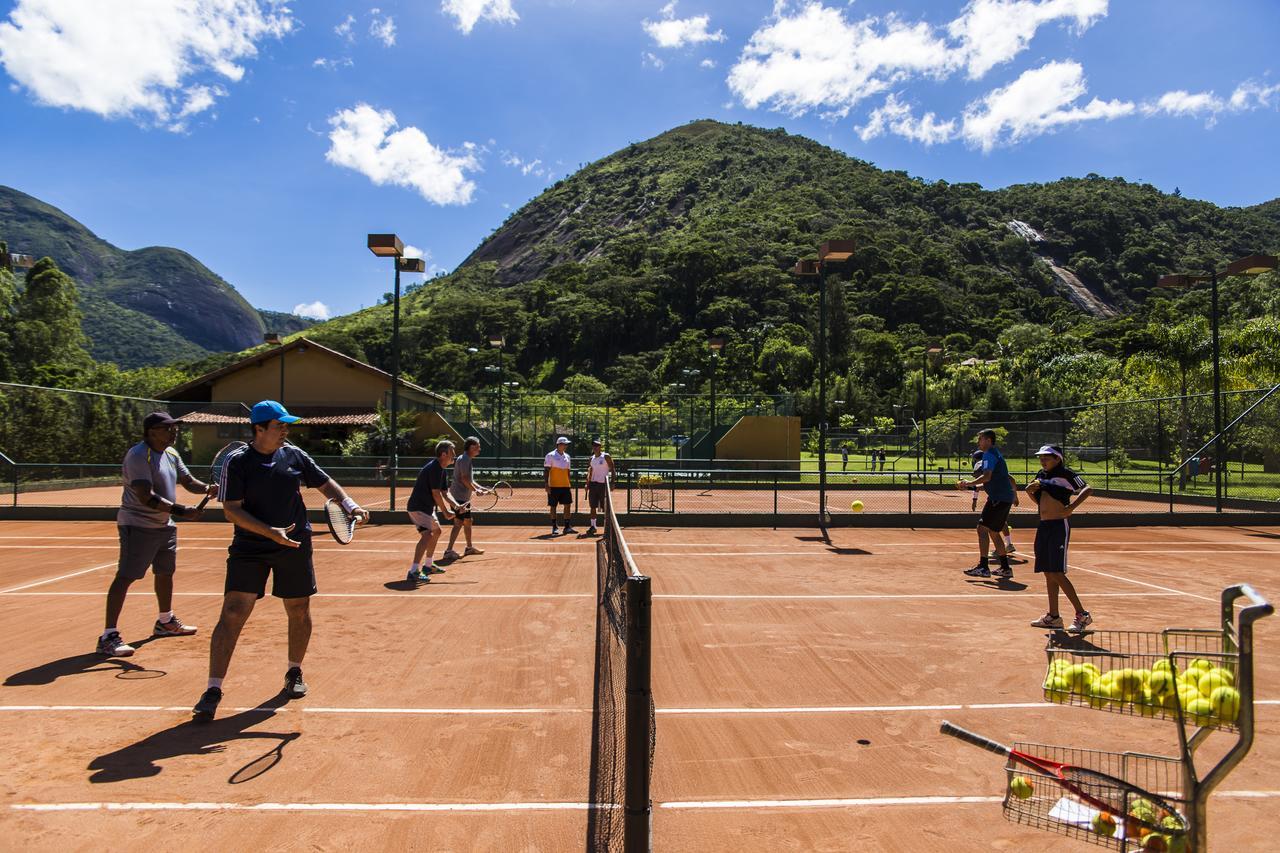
(430,493)
(261,493)
(1053,489)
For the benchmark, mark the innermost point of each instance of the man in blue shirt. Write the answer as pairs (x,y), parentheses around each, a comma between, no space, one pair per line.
(993,475)
(261,492)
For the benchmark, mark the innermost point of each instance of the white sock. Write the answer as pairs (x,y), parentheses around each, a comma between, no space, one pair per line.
(593,521)
(295,664)
(106,631)
(430,561)
(215,682)
(415,567)
(166,616)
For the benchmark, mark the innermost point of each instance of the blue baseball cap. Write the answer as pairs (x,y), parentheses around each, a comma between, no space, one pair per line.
(270,410)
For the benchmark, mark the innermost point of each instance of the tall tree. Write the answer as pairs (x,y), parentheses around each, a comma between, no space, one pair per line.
(48,343)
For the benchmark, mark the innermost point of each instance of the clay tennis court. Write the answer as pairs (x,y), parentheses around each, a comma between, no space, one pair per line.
(799,686)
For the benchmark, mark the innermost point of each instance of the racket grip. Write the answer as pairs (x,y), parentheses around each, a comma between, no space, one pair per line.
(971,738)
(202,503)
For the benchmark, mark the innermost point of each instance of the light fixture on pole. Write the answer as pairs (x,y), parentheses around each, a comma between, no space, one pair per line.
(390,246)
(715,344)
(830,252)
(1249,265)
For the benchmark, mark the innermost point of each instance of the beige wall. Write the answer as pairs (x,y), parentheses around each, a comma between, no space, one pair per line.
(311,378)
(430,425)
(761,437)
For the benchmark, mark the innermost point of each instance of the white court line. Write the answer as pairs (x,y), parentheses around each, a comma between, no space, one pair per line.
(672,596)
(424,595)
(849,802)
(58,578)
(1144,583)
(907,595)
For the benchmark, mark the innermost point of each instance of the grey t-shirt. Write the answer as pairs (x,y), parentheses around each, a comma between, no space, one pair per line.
(161,471)
(458,489)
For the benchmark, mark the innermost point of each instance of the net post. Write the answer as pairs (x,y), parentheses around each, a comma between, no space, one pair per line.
(640,734)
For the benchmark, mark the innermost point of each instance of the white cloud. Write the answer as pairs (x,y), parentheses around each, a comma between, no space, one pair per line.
(673,32)
(1038,102)
(315,310)
(366,140)
(526,167)
(346,28)
(652,59)
(382,27)
(330,64)
(992,32)
(150,61)
(469,12)
(897,118)
(707,63)
(810,56)
(1248,96)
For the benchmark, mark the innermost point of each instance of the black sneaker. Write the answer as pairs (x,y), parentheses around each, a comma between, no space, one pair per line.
(555,531)
(978,571)
(207,706)
(294,686)
(568,530)
(1005,572)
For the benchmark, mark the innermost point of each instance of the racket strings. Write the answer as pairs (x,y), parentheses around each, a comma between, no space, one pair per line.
(1121,798)
(342,525)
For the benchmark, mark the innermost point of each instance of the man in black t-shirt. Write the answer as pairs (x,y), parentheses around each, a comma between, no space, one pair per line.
(431,494)
(261,493)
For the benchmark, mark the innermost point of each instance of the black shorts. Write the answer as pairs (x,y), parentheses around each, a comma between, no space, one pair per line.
(292,573)
(597,494)
(559,495)
(147,547)
(995,515)
(1052,538)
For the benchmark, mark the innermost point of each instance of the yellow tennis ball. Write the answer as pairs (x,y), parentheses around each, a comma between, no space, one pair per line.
(1215,678)
(1161,683)
(1200,710)
(1057,689)
(856,506)
(1079,678)
(1201,664)
(1147,704)
(1161,665)
(1059,664)
(1226,703)
(1127,683)
(1104,824)
(1021,788)
(1144,674)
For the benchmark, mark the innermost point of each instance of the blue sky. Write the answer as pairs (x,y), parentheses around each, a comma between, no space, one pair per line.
(267,138)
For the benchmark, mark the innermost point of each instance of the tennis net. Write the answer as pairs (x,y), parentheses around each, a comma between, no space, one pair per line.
(623,731)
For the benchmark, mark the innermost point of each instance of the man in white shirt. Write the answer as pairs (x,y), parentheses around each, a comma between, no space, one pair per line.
(599,472)
(555,477)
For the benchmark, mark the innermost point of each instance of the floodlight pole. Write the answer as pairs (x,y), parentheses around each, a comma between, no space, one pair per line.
(395,386)
(1217,393)
(822,392)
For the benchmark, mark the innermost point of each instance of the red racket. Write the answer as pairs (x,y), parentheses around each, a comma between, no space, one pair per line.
(1100,790)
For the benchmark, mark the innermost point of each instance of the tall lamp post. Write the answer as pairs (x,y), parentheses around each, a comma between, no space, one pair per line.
(499,343)
(1250,265)
(273,339)
(390,246)
(715,344)
(830,252)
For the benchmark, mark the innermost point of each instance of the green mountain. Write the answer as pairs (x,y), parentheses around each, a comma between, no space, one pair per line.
(145,307)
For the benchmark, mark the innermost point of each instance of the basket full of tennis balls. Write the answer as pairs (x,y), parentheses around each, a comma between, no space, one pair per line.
(1206,692)
(650,480)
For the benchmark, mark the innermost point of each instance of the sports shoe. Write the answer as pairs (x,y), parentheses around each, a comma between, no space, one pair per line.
(568,530)
(555,531)
(978,571)
(1010,547)
(432,570)
(1048,621)
(417,577)
(294,686)
(207,706)
(591,531)
(1083,620)
(451,555)
(172,628)
(472,552)
(114,647)
(1002,572)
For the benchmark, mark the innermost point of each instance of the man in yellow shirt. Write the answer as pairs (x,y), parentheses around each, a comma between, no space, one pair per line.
(555,477)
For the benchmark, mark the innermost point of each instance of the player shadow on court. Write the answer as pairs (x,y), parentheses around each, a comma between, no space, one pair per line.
(90,662)
(144,759)
(405,585)
(1002,584)
(1080,643)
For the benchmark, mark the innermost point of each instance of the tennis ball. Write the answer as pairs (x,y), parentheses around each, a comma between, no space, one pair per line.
(1144,674)
(1057,689)
(1201,664)
(1101,696)
(1226,703)
(1080,678)
(1155,843)
(1161,683)
(1177,843)
(1147,705)
(1127,683)
(1092,668)
(1104,824)
(1060,664)
(1215,678)
(856,506)
(1200,711)
(1021,788)
(1162,665)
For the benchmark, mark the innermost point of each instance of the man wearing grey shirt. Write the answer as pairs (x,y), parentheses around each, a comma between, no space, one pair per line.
(152,471)
(461,489)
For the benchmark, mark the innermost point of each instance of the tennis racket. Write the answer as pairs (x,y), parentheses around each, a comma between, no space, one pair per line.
(499,491)
(1106,793)
(219,466)
(341,525)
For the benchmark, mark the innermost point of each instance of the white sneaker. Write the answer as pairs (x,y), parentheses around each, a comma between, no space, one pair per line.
(450,555)
(1083,620)
(1048,621)
(112,646)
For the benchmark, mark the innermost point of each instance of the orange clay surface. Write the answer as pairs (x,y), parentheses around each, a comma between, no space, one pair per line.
(457,716)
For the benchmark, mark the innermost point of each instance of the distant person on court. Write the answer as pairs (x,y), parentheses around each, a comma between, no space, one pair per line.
(992,473)
(883,458)
(844,458)
(1059,491)
(461,489)
(152,471)
(431,495)
(555,477)
(599,472)
(262,496)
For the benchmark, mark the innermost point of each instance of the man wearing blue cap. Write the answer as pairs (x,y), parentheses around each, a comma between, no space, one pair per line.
(262,495)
